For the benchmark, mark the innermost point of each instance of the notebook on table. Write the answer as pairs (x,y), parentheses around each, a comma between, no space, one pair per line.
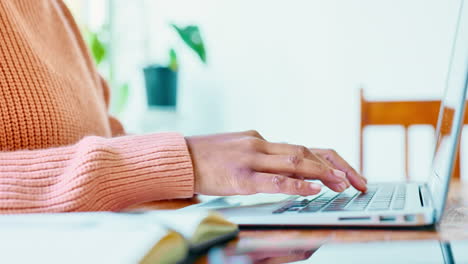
(152,237)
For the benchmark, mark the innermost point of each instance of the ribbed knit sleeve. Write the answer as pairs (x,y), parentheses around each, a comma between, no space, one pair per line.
(96,174)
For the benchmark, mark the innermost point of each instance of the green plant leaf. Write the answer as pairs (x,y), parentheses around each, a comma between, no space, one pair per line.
(192,37)
(98,49)
(173,63)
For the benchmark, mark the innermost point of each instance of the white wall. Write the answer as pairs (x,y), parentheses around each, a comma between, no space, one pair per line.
(292,69)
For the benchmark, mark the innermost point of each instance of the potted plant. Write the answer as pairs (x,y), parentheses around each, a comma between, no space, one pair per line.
(161,80)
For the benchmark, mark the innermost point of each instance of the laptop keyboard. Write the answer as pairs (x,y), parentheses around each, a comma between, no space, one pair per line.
(377,198)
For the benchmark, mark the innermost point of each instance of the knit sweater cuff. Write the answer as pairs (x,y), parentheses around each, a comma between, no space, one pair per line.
(153,167)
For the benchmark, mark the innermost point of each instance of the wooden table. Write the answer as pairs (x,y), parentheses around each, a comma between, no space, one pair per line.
(454,226)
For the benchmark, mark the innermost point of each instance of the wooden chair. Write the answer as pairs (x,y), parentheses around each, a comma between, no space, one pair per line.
(402,113)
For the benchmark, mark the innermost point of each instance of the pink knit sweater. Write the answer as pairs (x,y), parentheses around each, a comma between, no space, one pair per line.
(60,151)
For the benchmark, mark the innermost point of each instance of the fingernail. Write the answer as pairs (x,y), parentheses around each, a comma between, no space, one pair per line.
(315,187)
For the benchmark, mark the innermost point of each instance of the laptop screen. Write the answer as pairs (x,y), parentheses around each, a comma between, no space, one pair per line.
(451,115)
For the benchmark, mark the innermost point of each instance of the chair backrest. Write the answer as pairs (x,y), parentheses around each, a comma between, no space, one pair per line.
(402,113)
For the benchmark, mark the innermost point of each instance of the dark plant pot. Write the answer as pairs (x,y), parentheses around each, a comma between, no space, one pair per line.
(161,86)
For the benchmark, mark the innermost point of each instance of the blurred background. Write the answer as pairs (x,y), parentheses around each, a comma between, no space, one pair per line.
(291,69)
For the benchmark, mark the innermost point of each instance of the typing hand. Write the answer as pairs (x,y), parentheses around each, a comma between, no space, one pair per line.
(245,163)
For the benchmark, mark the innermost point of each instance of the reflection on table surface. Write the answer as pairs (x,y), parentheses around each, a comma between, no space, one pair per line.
(319,252)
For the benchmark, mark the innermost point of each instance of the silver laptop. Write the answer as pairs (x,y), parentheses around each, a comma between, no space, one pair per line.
(385,204)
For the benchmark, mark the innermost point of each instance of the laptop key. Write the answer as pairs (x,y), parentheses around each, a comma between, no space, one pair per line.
(318,203)
(340,202)
(400,198)
(291,206)
(362,200)
(296,204)
(280,210)
(382,200)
